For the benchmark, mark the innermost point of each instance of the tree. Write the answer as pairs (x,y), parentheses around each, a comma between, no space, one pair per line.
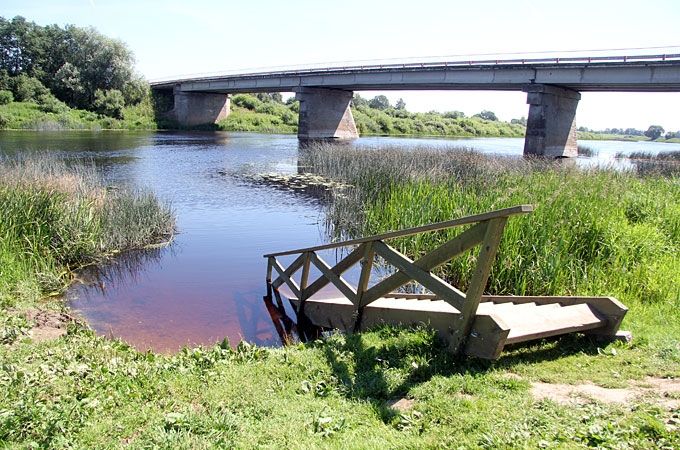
(71,62)
(379,102)
(522,121)
(110,103)
(401,104)
(67,83)
(358,101)
(654,132)
(487,115)
(454,114)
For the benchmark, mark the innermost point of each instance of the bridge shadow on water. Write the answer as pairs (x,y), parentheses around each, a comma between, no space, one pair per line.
(360,363)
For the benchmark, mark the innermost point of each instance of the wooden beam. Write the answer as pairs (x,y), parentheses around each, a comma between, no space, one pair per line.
(340,268)
(286,278)
(485,259)
(270,265)
(435,284)
(366,268)
(487,338)
(460,244)
(337,280)
(292,268)
(501,213)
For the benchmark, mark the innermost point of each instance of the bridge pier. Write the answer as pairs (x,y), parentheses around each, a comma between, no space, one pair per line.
(551,125)
(199,108)
(325,114)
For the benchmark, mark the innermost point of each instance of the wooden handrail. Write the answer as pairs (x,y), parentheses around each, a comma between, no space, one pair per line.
(519,209)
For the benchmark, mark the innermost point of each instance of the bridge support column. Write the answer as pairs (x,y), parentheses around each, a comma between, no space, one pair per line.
(199,108)
(325,114)
(551,125)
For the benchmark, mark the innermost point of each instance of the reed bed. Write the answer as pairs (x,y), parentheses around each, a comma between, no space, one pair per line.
(57,218)
(594,231)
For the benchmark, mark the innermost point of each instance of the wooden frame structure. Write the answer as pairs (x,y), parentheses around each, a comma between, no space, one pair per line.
(471,322)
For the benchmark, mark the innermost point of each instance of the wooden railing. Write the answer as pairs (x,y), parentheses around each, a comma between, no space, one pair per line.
(486,230)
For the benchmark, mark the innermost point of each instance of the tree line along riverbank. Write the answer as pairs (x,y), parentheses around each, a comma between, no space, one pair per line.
(73,78)
(268,113)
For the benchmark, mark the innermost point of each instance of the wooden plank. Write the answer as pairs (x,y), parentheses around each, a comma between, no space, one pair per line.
(304,278)
(367,259)
(461,243)
(270,265)
(501,213)
(341,267)
(437,315)
(487,337)
(292,268)
(337,280)
(411,296)
(487,254)
(564,320)
(608,307)
(287,279)
(432,282)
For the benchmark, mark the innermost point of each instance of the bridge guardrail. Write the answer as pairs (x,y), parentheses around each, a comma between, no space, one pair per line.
(330,68)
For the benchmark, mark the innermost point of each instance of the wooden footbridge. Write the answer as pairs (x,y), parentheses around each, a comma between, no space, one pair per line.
(471,322)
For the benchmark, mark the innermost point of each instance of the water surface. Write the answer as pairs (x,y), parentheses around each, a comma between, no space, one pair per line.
(210,283)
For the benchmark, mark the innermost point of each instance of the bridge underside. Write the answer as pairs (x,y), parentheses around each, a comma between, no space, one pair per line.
(325,114)
(552,88)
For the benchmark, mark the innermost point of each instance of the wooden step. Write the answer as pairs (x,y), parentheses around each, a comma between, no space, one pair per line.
(543,322)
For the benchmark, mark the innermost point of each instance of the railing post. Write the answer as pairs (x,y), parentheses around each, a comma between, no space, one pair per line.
(304,323)
(485,259)
(270,266)
(366,267)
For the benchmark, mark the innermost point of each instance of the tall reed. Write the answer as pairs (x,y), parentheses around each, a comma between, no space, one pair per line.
(57,217)
(594,231)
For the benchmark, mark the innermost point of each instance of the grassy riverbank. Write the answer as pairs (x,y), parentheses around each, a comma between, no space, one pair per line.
(32,116)
(265,115)
(56,218)
(84,391)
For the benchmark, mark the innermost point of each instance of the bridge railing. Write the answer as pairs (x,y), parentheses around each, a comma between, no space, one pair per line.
(486,230)
(345,66)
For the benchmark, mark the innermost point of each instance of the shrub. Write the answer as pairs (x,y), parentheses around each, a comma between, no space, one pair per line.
(50,103)
(247,101)
(6,97)
(109,103)
(4,120)
(28,88)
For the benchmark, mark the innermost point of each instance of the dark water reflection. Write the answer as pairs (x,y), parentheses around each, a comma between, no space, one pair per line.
(210,283)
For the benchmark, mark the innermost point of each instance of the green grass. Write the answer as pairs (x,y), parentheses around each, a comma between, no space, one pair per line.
(57,218)
(594,232)
(371,121)
(242,119)
(86,392)
(617,232)
(30,116)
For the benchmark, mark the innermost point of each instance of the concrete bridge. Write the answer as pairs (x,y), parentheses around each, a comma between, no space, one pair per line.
(553,87)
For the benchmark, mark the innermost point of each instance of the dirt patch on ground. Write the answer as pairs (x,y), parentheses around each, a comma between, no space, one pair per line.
(662,391)
(47,325)
(402,404)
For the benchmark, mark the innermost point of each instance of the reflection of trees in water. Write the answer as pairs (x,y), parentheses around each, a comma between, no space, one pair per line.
(66,142)
(120,272)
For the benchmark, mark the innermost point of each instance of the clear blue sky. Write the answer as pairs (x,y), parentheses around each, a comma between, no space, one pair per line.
(180,37)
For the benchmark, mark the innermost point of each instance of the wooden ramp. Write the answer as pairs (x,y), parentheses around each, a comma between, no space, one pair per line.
(476,324)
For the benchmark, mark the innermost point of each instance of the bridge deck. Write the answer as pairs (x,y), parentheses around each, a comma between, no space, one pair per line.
(598,73)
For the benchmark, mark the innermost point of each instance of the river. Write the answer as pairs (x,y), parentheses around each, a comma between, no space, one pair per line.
(209,284)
